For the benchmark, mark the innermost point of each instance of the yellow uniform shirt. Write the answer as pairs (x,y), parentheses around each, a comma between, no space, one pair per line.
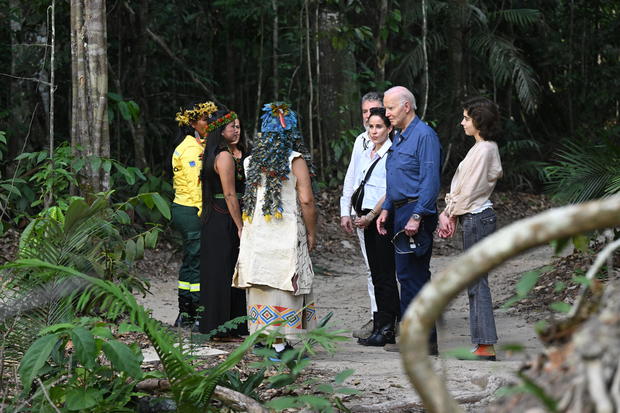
(186,165)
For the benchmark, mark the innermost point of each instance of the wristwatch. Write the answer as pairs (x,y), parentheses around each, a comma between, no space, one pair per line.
(417,217)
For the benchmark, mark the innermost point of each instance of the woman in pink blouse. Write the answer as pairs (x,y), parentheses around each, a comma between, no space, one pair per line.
(468,201)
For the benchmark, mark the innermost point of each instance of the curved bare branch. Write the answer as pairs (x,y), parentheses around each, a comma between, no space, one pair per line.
(481,258)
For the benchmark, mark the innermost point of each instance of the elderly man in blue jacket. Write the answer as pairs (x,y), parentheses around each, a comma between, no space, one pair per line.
(413,178)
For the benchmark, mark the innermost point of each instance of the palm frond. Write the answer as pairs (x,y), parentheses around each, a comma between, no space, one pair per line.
(518,17)
(580,175)
(507,65)
(479,16)
(412,63)
(191,388)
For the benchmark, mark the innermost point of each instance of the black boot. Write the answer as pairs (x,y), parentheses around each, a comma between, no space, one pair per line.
(187,313)
(375,328)
(383,332)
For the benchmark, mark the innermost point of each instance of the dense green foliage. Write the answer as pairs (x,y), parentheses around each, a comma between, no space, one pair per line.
(71,294)
(552,66)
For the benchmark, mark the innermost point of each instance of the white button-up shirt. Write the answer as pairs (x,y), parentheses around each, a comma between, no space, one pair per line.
(374,189)
(355,166)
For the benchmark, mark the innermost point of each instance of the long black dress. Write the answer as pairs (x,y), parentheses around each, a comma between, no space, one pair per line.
(219,248)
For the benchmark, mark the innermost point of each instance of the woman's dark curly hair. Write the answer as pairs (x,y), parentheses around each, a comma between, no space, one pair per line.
(485,116)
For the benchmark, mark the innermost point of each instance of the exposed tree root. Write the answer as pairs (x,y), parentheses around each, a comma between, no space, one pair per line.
(232,399)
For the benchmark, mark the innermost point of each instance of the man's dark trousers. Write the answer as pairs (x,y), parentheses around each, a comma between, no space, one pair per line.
(185,219)
(413,271)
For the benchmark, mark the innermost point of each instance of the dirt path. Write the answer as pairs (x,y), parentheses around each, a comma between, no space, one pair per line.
(340,287)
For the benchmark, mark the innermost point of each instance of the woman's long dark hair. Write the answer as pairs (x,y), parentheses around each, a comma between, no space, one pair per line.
(215,141)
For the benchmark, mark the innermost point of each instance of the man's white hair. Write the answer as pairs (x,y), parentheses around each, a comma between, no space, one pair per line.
(404,95)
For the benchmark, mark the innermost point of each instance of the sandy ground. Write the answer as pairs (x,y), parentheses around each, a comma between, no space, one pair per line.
(340,286)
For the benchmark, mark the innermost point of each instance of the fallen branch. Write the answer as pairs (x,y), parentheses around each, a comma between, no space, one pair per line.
(231,398)
(478,260)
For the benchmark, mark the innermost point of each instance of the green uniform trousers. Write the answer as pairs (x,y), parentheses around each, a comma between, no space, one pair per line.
(185,219)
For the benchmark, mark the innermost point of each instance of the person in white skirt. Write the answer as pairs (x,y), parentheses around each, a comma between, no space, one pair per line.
(280,230)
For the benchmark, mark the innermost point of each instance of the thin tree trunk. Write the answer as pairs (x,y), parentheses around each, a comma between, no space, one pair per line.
(425,54)
(20,99)
(276,83)
(319,128)
(259,89)
(509,241)
(52,86)
(571,123)
(310,80)
(90,88)
(135,87)
(381,52)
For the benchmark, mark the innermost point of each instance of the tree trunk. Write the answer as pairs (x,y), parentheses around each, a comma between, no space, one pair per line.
(381,51)
(137,74)
(457,32)
(339,92)
(509,241)
(259,82)
(309,122)
(276,83)
(425,54)
(89,121)
(21,91)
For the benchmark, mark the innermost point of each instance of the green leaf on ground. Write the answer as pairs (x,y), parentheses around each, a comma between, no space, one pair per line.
(34,359)
(122,358)
(80,399)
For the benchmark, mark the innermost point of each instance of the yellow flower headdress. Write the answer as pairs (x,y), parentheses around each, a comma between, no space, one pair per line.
(184,117)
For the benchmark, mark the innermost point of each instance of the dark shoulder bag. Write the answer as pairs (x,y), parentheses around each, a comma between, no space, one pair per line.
(358,195)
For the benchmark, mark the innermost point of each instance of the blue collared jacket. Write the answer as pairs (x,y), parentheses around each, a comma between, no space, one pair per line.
(413,168)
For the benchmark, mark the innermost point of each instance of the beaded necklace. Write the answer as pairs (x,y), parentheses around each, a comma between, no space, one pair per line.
(238,165)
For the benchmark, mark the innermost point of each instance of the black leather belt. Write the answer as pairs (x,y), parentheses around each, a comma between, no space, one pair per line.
(401,202)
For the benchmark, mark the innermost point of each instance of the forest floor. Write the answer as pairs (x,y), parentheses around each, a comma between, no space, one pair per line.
(340,287)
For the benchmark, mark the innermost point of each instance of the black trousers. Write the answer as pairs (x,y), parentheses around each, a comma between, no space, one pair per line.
(219,250)
(380,253)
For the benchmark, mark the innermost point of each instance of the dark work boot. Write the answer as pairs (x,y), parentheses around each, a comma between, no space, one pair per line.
(187,313)
(383,332)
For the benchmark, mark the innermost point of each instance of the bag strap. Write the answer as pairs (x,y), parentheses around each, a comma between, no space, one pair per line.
(369,171)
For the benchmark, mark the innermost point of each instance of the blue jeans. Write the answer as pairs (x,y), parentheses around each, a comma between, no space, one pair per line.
(481,319)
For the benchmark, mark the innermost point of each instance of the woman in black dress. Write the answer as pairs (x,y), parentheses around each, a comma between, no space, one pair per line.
(223,185)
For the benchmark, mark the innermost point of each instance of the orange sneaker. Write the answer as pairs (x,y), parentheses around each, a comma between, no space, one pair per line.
(484,352)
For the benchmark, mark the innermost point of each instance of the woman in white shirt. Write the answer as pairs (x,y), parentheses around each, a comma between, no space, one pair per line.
(379,249)
(468,200)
